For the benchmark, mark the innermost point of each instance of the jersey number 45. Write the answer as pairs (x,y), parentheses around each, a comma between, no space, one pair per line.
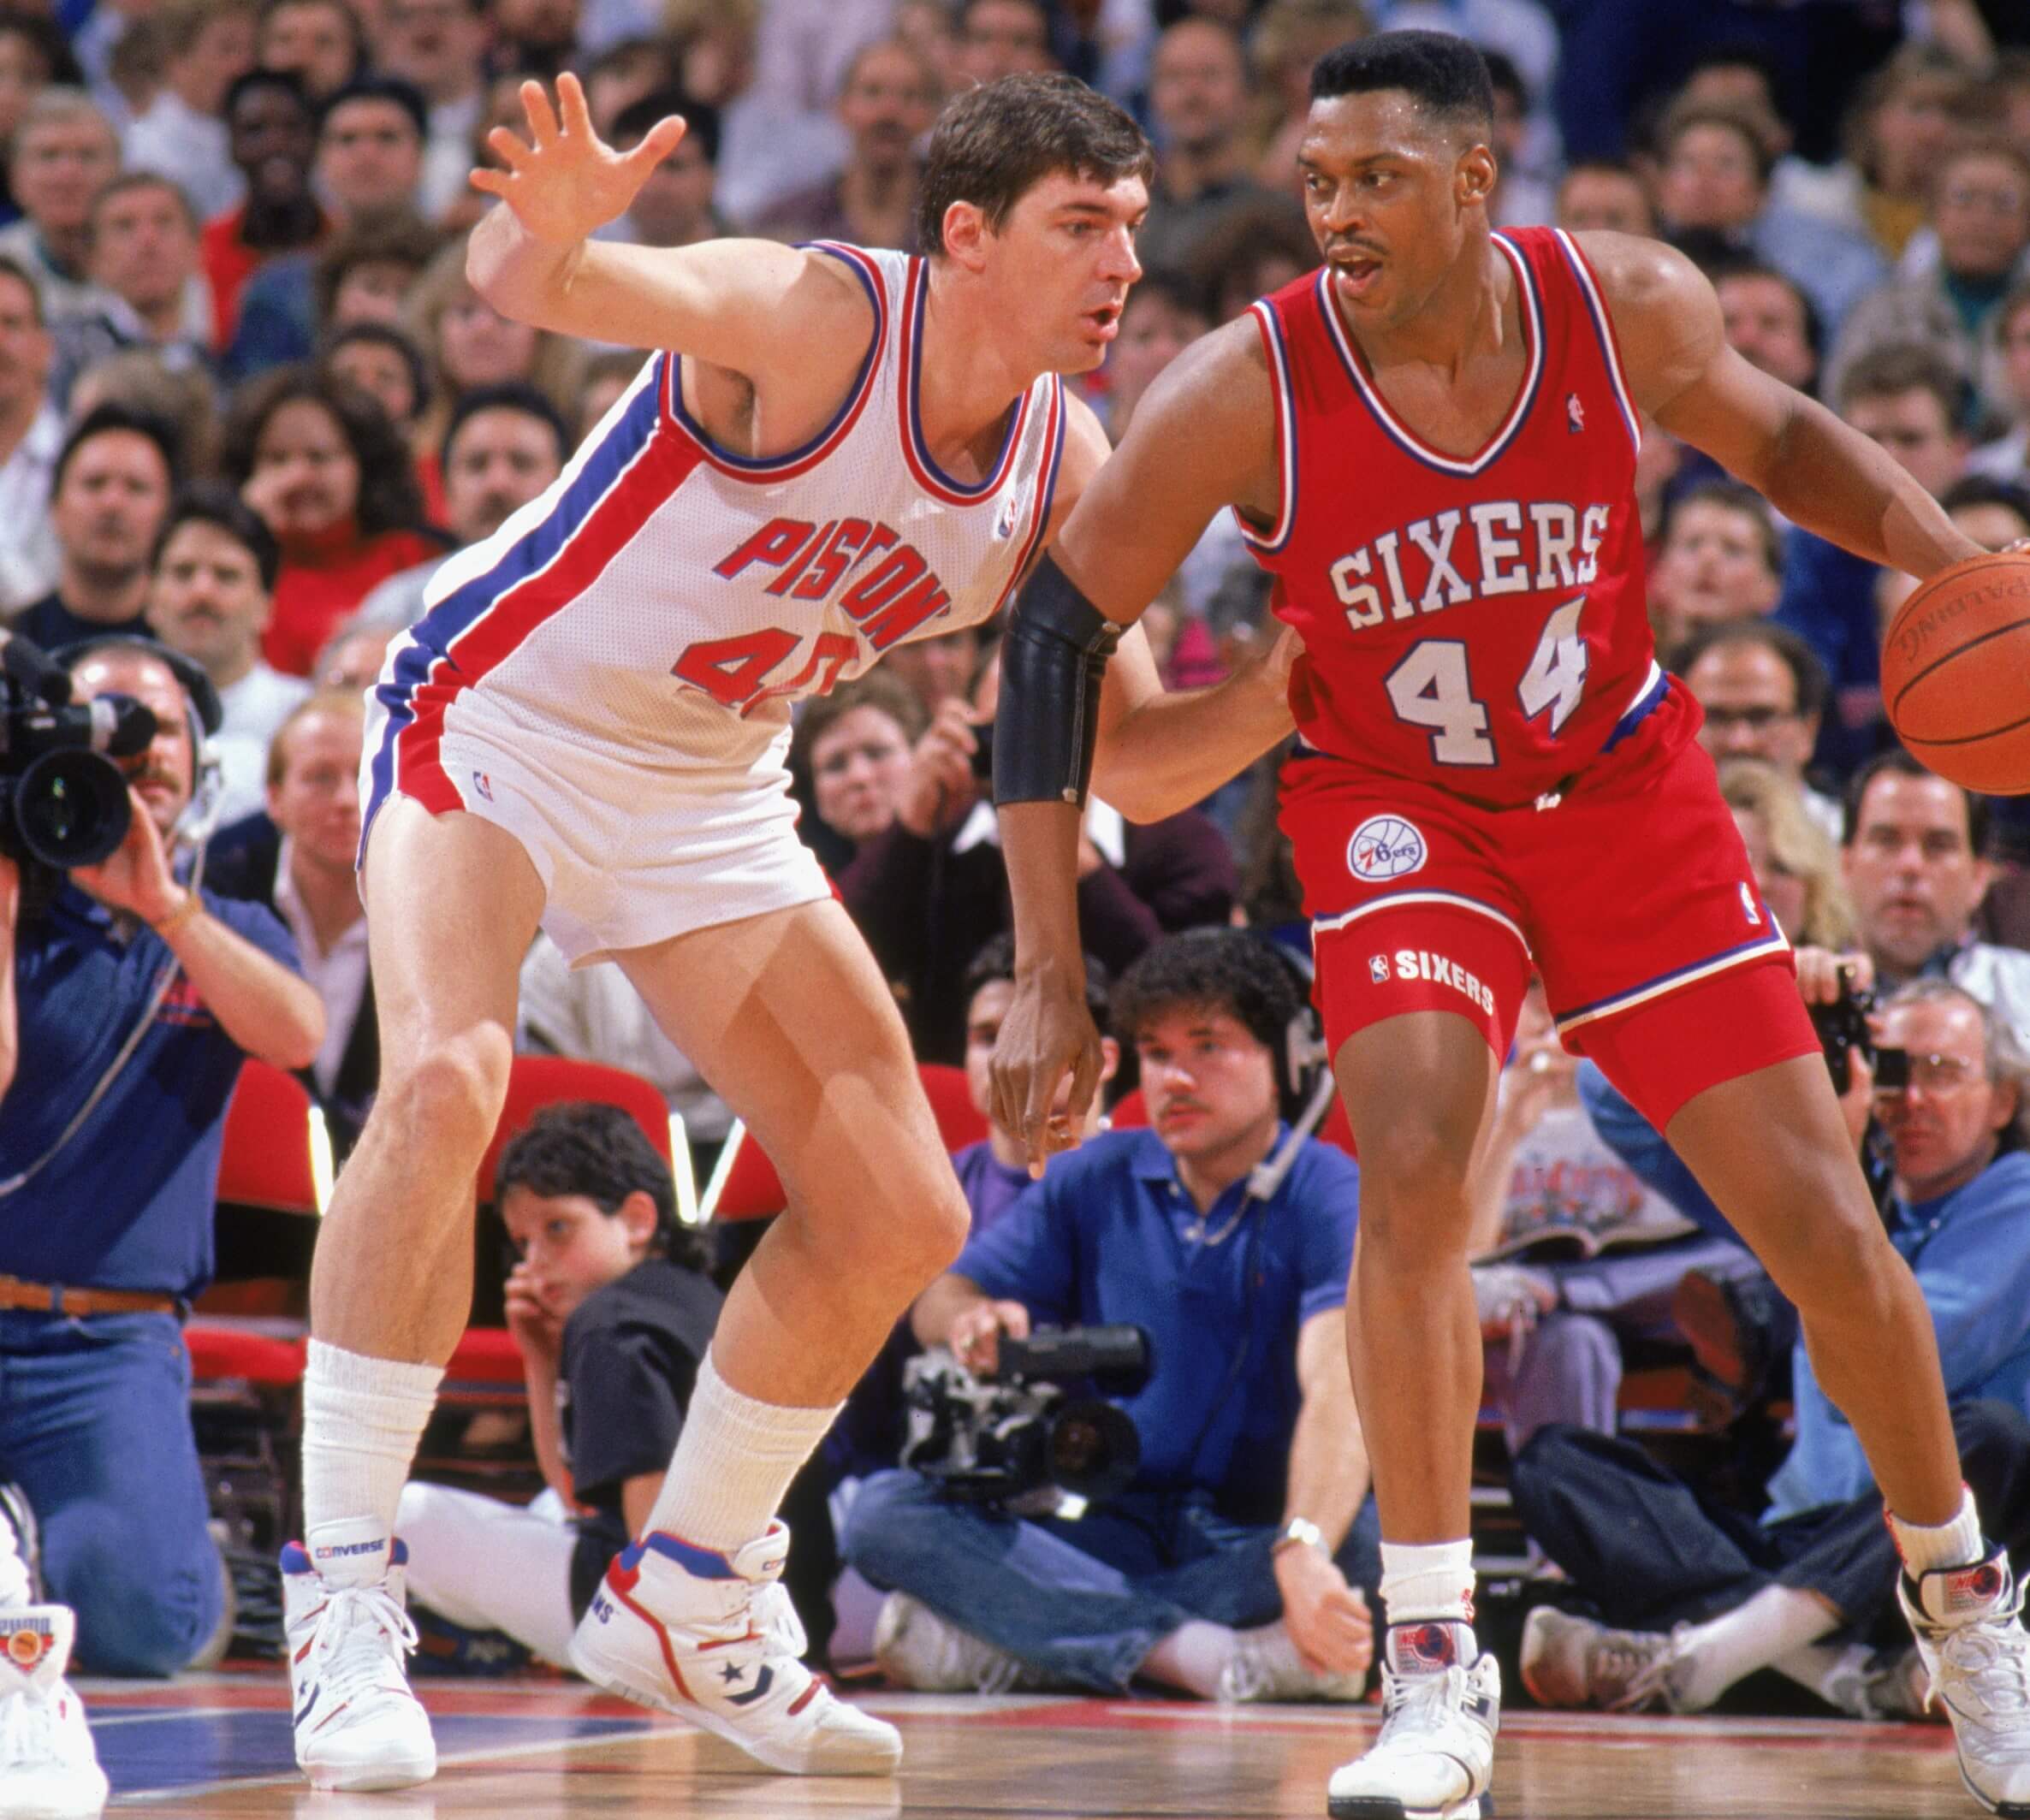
(1431,687)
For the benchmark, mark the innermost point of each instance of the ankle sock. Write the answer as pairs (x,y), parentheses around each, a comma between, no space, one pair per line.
(733,1463)
(362,1419)
(1956,1544)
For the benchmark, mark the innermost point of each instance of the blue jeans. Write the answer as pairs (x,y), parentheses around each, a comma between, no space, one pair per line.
(95,1428)
(1081,1602)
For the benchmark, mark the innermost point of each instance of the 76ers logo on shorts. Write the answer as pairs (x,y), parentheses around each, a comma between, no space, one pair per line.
(1385,847)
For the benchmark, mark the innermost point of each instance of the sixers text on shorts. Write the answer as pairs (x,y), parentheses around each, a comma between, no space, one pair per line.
(1418,964)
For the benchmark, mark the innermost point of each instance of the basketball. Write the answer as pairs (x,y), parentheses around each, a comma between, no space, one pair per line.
(1956,673)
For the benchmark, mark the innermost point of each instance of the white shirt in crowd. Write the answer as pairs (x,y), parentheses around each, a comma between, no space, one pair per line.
(254,707)
(338,976)
(29,558)
(175,140)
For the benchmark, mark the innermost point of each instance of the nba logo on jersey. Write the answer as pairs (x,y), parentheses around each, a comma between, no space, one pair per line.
(1575,413)
(1378,969)
(1004,526)
(1384,847)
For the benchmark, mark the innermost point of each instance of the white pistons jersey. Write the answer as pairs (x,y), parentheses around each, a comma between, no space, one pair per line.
(664,601)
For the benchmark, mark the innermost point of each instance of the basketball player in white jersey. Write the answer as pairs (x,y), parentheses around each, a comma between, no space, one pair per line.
(586,731)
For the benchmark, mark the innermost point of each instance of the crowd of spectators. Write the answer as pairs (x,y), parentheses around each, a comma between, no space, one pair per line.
(249,403)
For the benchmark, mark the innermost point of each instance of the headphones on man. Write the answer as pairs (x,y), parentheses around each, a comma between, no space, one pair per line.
(203,709)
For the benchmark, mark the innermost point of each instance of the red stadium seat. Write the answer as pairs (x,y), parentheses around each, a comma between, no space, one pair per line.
(749,1188)
(269,1160)
(536,1081)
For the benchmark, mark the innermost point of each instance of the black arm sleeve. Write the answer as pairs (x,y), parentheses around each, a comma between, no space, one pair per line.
(1053,658)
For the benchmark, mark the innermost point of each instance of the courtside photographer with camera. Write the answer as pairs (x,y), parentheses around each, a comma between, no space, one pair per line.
(129,995)
(1211,1529)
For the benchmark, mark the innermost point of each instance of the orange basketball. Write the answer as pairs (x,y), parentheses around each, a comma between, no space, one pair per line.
(1956,673)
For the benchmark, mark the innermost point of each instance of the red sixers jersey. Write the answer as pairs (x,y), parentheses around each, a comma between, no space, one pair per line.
(1478,623)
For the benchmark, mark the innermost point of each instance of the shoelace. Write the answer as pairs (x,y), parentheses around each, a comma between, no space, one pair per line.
(1645,1666)
(1996,1670)
(349,1652)
(1413,1706)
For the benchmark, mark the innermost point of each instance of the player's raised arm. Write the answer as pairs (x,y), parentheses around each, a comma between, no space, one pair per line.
(1203,439)
(733,303)
(1815,470)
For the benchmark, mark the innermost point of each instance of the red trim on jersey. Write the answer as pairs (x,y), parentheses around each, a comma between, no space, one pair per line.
(1602,326)
(915,296)
(1364,380)
(1271,327)
(771,470)
(1054,450)
(663,465)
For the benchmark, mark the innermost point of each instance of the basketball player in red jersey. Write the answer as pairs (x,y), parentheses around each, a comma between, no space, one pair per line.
(1431,444)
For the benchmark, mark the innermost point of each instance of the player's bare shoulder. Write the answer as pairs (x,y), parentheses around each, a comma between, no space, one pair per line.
(1667,318)
(1210,420)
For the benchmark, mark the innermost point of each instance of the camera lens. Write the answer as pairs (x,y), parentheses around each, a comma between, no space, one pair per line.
(72,808)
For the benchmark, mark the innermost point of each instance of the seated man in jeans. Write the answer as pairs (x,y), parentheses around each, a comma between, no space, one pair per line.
(1744,1597)
(1233,1567)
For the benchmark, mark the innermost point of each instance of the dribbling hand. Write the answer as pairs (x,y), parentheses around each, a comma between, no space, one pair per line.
(568,181)
(1047,1035)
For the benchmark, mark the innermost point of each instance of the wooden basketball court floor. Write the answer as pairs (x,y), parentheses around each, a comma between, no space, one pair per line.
(217,1748)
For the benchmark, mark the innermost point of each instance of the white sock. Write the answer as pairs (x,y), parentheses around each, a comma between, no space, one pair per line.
(733,1462)
(1755,1634)
(1193,1657)
(1425,1581)
(1822,1668)
(362,1419)
(1954,1544)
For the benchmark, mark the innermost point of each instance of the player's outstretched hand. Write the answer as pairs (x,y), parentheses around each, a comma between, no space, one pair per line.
(1047,1035)
(566,181)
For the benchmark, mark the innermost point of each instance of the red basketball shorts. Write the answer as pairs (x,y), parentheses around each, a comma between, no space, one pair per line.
(1632,896)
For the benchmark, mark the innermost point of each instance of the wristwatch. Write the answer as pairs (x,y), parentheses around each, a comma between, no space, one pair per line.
(1299,1529)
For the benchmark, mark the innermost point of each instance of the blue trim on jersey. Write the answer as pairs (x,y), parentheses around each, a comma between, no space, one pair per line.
(432,637)
(769,463)
(998,474)
(1286,443)
(1456,466)
(1583,279)
(1651,699)
(1747,950)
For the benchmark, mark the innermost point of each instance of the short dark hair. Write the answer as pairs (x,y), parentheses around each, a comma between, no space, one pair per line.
(1733,495)
(585,1147)
(1740,53)
(129,180)
(1180,289)
(104,420)
(404,95)
(633,122)
(1729,118)
(390,498)
(1219,970)
(509,395)
(1446,76)
(996,960)
(284,81)
(1984,489)
(1892,368)
(1899,763)
(388,335)
(381,236)
(1733,263)
(1504,78)
(208,502)
(1813,687)
(995,143)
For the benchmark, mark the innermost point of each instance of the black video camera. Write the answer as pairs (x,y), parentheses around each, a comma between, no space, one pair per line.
(993,1441)
(1843,1027)
(63,802)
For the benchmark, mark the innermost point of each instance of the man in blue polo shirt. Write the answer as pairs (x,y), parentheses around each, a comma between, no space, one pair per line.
(1233,1567)
(127,1000)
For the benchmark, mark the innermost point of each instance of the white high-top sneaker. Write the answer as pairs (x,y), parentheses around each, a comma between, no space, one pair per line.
(1435,1756)
(48,1769)
(699,1633)
(357,1725)
(1969,1628)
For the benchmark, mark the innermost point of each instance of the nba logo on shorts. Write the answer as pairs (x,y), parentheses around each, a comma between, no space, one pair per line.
(1384,847)
(483,784)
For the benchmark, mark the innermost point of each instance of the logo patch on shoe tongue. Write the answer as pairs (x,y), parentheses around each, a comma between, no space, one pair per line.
(1972,1589)
(28,1641)
(1425,1646)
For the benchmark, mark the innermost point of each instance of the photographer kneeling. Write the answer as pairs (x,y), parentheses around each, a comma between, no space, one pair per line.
(129,999)
(1231,1566)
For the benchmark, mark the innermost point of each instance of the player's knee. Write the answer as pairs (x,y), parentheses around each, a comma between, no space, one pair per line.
(926,1237)
(1414,1189)
(452,1095)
